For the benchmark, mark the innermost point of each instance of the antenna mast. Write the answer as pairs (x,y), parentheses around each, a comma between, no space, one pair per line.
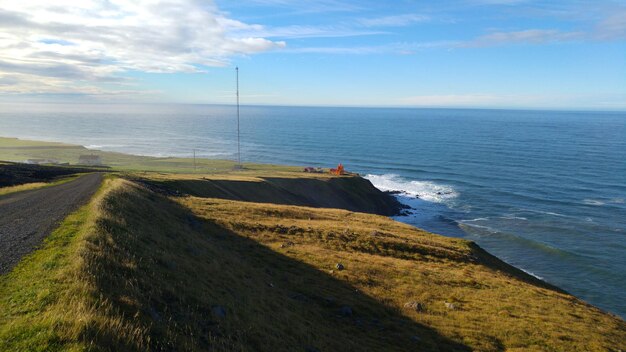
(238,139)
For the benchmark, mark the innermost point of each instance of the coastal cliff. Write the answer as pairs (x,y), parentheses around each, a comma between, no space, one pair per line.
(347,192)
(270,262)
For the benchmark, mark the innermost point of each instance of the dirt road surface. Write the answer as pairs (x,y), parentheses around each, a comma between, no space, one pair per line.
(26,218)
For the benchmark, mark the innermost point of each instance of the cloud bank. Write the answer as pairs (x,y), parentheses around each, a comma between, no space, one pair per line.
(66,46)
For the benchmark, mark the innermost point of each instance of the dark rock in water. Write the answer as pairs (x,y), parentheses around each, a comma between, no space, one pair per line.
(394,192)
(416,306)
(218,312)
(339,266)
(345,311)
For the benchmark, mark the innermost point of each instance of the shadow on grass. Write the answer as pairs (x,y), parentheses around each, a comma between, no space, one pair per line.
(12,174)
(349,193)
(172,281)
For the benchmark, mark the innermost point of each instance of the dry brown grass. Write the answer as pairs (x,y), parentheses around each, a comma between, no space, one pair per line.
(394,264)
(19,188)
(161,275)
(35,185)
(136,270)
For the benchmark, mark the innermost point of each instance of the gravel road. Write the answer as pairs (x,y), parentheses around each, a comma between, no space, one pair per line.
(26,218)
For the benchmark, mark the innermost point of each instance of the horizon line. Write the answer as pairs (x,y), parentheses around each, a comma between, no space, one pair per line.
(349,106)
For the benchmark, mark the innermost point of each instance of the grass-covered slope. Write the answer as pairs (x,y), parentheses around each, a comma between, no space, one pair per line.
(191,283)
(137,270)
(399,266)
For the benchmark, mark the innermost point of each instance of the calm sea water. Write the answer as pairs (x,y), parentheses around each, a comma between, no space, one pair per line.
(544,191)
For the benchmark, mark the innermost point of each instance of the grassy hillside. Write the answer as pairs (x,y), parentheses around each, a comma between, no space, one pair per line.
(138,270)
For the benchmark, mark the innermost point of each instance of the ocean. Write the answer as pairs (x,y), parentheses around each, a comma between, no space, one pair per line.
(543,190)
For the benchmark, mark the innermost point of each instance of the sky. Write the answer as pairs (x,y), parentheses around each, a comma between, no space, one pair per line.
(466,53)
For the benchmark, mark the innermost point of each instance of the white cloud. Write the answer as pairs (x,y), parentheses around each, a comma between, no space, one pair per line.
(305,31)
(307,6)
(394,21)
(528,36)
(612,27)
(64,44)
(400,48)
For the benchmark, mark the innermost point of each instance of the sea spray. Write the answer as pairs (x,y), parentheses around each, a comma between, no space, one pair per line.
(426,190)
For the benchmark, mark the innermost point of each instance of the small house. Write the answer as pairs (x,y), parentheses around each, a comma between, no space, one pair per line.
(91,160)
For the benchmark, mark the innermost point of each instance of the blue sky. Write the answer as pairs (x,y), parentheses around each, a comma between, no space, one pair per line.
(465,53)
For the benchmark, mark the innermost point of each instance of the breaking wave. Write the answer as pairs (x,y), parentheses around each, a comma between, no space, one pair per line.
(426,190)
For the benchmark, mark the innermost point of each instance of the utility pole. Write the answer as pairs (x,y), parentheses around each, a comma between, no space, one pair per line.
(238,138)
(194,160)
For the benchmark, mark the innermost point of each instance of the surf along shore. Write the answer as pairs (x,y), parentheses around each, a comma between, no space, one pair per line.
(171,255)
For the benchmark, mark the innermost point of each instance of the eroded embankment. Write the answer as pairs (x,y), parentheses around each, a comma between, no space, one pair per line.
(349,193)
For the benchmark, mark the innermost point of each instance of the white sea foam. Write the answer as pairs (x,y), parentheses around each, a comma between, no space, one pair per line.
(530,273)
(593,202)
(513,217)
(465,225)
(477,219)
(105,146)
(426,190)
(547,213)
(598,202)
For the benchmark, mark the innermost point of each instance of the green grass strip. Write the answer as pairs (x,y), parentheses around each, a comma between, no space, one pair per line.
(36,298)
